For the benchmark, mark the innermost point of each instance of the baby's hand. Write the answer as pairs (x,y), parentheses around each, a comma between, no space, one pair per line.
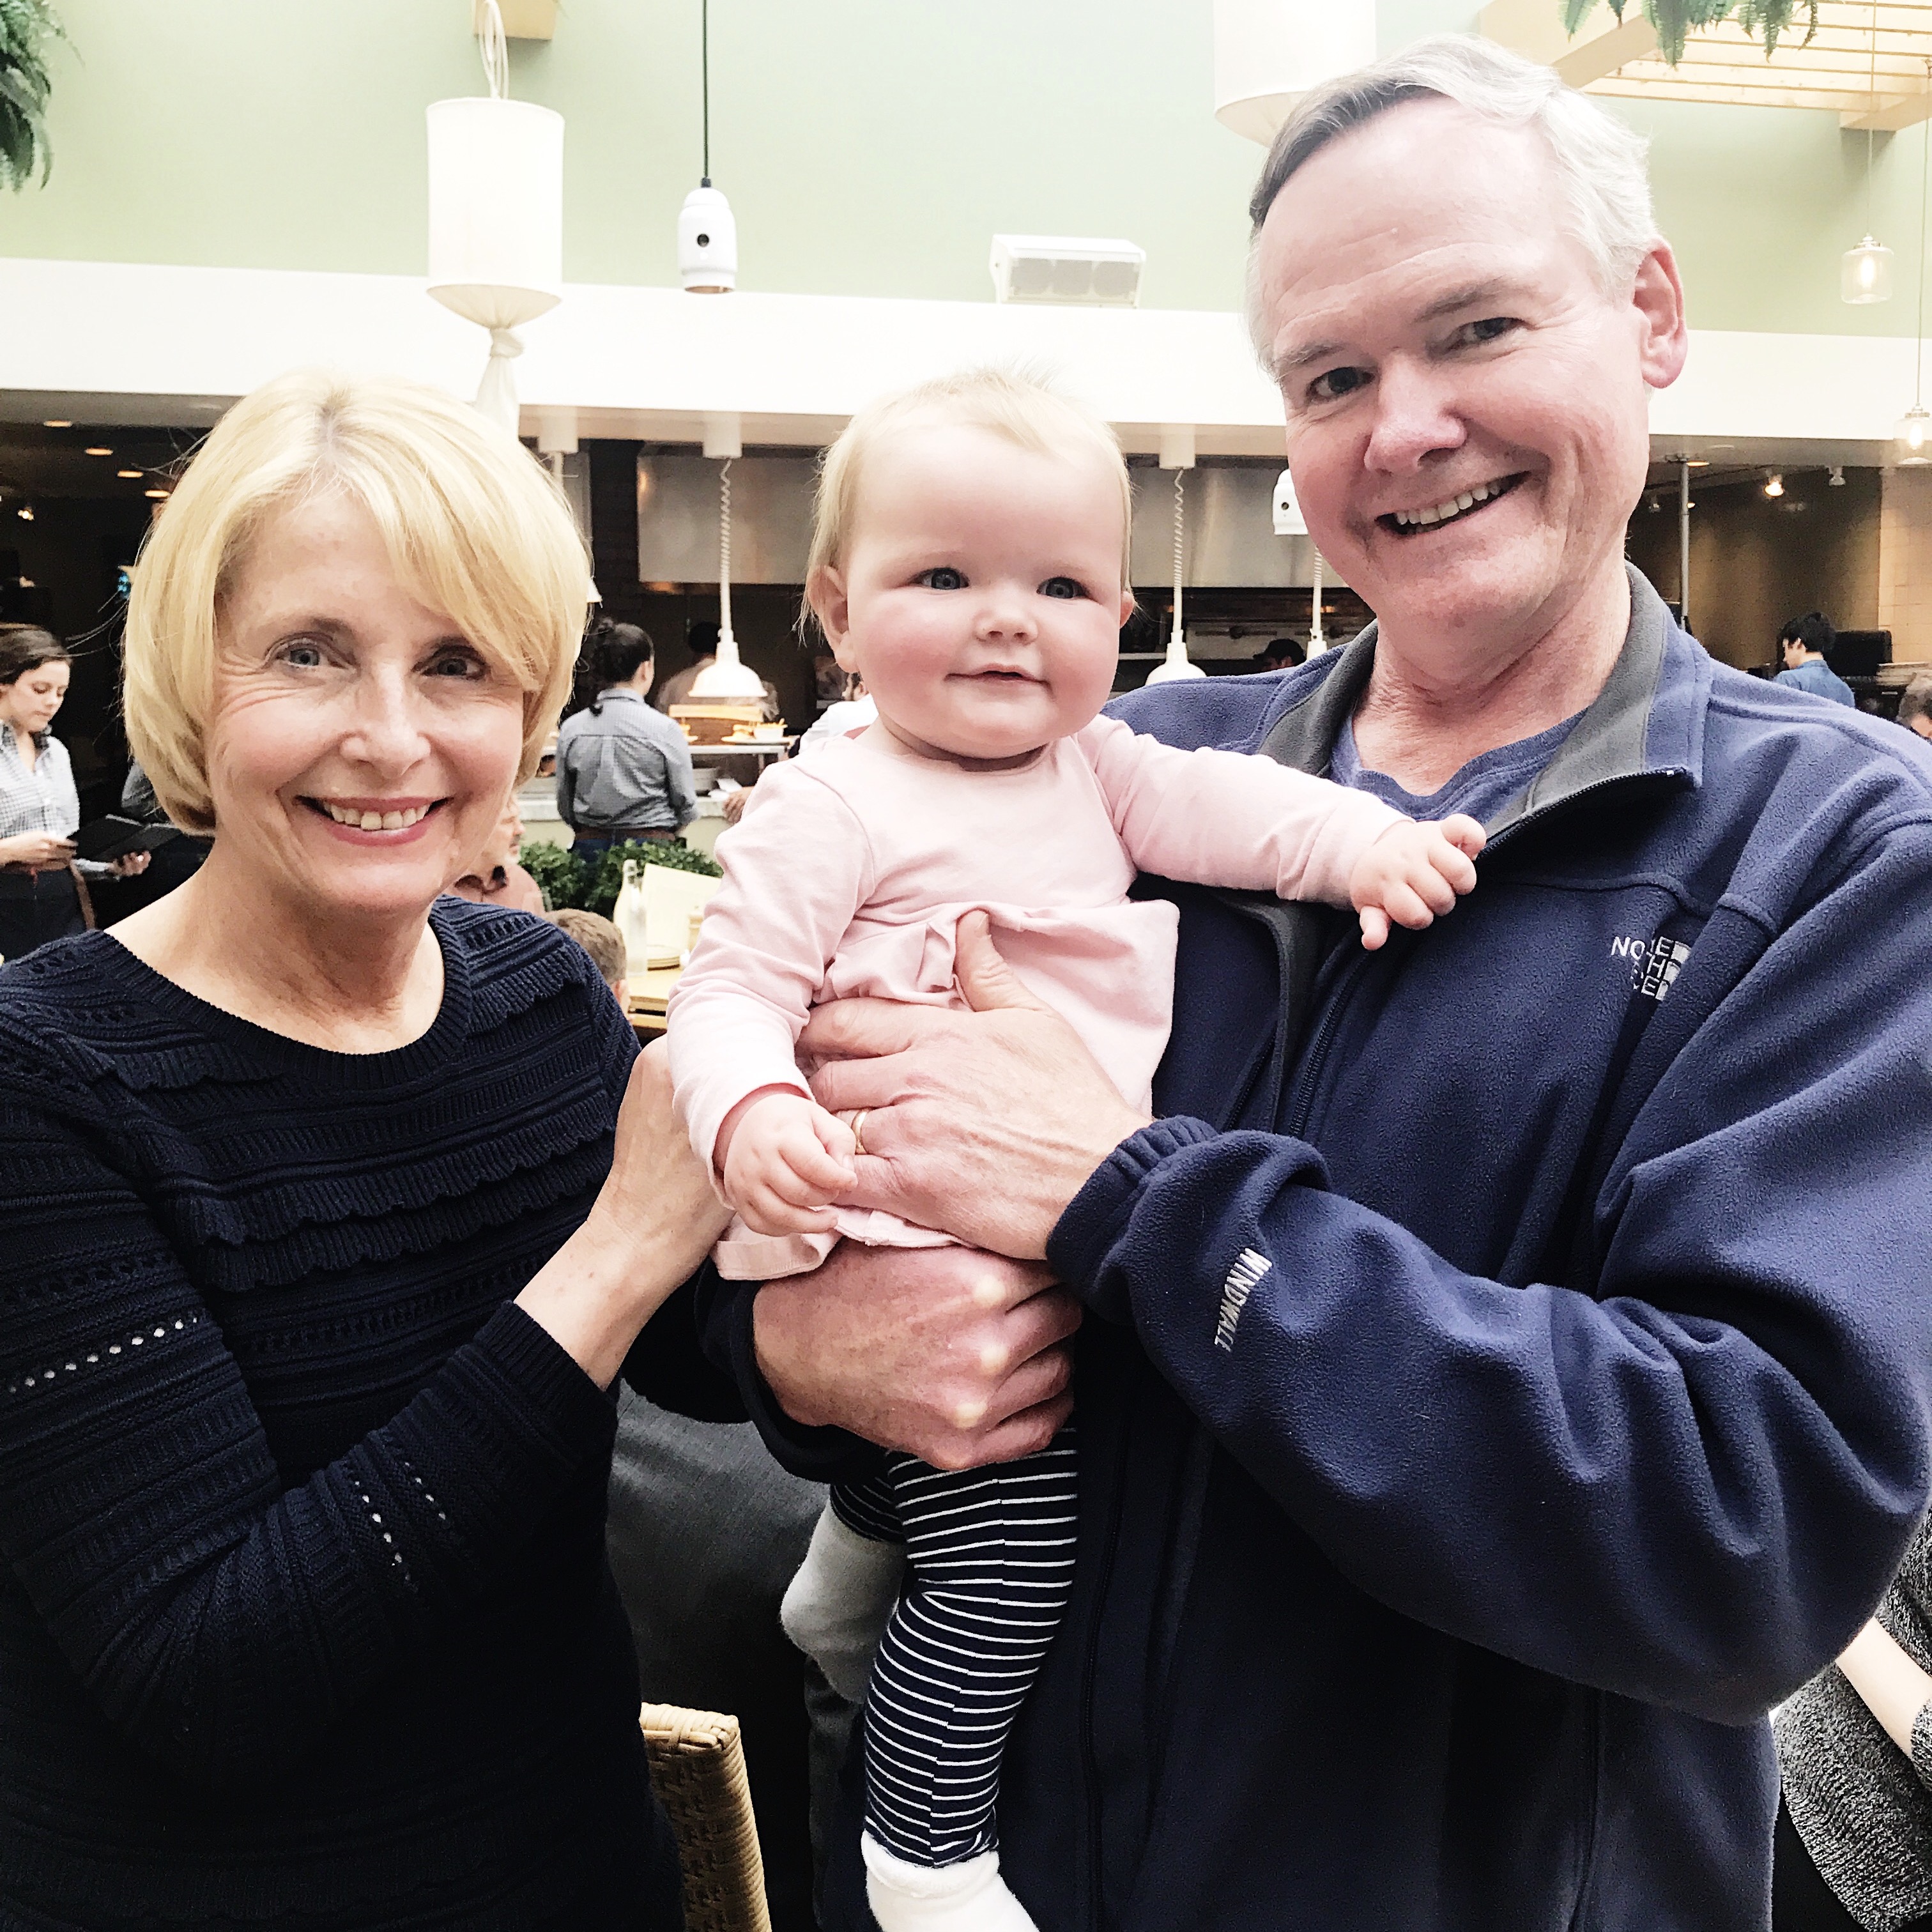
(1412,872)
(781,1158)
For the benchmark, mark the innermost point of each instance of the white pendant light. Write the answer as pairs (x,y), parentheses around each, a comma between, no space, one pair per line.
(707,235)
(1864,275)
(730,677)
(496,216)
(1177,664)
(1267,53)
(1289,522)
(1911,440)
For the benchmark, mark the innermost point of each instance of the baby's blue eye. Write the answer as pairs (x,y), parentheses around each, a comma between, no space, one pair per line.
(943,576)
(1070,587)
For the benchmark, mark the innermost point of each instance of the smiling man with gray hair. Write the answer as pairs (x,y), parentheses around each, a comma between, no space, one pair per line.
(1511,1371)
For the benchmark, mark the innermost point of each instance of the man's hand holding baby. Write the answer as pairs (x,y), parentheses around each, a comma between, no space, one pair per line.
(781,1159)
(1415,871)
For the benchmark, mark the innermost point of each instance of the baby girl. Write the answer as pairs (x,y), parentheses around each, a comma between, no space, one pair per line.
(969,562)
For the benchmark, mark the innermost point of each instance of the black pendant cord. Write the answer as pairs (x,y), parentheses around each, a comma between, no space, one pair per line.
(704,69)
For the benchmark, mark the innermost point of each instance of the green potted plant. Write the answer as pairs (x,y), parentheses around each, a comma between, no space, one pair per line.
(26,27)
(1766,20)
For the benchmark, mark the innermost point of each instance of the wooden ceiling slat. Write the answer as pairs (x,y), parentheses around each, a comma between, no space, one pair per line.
(1866,62)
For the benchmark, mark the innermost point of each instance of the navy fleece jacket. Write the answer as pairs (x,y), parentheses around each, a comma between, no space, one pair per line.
(1512,1372)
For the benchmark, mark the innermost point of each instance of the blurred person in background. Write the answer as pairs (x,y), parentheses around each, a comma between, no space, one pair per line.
(623,770)
(1806,642)
(603,943)
(1915,707)
(1854,1844)
(495,878)
(182,856)
(40,896)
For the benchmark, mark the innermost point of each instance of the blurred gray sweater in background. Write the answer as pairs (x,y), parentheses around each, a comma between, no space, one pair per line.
(1863,1808)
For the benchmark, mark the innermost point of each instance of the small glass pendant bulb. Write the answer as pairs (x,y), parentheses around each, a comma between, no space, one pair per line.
(1912,441)
(1866,274)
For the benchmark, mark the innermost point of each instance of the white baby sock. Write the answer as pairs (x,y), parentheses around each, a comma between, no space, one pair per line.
(836,1608)
(970,1896)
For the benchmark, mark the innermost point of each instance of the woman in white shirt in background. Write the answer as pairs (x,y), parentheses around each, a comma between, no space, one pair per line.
(40,810)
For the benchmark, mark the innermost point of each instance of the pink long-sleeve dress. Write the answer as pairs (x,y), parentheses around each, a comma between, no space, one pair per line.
(849,873)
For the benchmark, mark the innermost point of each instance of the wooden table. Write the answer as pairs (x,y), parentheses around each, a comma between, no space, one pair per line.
(650,992)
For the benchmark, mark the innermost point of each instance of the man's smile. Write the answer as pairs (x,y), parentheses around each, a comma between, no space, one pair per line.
(1451,509)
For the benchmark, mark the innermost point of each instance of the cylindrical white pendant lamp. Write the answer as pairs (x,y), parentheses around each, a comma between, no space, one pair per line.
(496,219)
(1290,522)
(1268,52)
(1177,453)
(730,677)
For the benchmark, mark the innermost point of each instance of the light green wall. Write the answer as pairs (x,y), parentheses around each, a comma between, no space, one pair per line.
(869,146)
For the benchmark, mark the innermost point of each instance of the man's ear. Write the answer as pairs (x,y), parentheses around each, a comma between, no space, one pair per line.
(1664,336)
(825,592)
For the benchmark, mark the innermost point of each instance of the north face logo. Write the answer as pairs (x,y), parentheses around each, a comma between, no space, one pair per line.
(1656,968)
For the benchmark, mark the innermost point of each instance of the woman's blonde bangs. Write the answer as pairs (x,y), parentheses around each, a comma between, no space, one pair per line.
(474,527)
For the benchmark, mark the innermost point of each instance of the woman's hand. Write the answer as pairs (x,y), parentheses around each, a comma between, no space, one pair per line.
(985,1124)
(131,865)
(37,851)
(654,1220)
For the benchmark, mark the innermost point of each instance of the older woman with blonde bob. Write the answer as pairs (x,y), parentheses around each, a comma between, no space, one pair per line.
(333,1209)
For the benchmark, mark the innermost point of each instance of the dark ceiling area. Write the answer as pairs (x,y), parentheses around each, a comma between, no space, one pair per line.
(39,461)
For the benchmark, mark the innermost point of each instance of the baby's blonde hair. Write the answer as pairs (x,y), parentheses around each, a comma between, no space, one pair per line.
(1025,409)
(474,526)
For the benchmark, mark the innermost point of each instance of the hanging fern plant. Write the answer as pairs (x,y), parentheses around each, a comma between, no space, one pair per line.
(26,27)
(1766,20)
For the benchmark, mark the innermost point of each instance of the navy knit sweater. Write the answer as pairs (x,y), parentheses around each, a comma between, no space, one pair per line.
(304,1617)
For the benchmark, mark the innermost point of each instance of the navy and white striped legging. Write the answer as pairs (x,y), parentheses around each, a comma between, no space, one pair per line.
(989,1563)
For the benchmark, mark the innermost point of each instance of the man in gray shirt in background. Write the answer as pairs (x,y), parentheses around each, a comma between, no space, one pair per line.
(623,770)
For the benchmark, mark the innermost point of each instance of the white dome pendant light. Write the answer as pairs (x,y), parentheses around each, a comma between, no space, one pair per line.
(1865,273)
(730,677)
(1176,663)
(495,215)
(1268,53)
(1912,441)
(707,236)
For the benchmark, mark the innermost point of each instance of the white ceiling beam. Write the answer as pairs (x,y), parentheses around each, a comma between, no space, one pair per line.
(1904,110)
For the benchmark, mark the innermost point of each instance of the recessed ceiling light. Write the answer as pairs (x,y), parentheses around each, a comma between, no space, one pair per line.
(96,449)
(130,472)
(154,493)
(57,422)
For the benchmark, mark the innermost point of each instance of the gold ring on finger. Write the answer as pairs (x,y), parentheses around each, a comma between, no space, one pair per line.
(858,1129)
